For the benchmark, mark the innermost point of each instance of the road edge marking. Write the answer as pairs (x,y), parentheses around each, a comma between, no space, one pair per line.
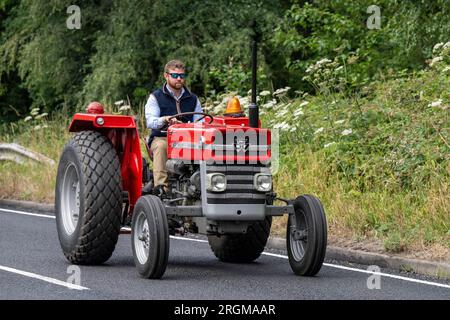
(281,256)
(28,213)
(43,278)
(437,284)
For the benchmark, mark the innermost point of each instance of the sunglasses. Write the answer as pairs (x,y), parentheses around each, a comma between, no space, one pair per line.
(176,75)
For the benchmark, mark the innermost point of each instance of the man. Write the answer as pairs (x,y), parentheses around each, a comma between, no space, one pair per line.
(167,101)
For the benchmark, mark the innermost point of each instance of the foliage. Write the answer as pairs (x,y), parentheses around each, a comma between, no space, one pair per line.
(122,46)
(382,159)
(337,29)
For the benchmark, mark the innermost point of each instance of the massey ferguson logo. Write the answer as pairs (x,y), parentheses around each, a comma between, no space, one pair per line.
(241,144)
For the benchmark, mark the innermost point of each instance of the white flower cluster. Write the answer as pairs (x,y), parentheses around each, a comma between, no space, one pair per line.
(441,47)
(298,113)
(34,115)
(326,75)
(269,104)
(281,91)
(438,104)
(319,130)
(440,51)
(346,132)
(122,107)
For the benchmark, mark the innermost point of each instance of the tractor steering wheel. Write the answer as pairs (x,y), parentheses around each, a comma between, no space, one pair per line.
(211,119)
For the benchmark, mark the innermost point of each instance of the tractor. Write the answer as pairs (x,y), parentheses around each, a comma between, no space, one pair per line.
(220,185)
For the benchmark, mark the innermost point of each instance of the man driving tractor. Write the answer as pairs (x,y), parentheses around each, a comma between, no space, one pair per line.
(172,98)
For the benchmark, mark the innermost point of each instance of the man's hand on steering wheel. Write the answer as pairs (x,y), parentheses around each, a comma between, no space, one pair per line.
(184,114)
(170,120)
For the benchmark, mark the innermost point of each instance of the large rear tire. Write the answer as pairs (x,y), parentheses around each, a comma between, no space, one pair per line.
(306,236)
(150,237)
(88,198)
(242,248)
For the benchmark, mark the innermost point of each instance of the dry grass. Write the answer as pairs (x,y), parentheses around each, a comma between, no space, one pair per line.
(377,221)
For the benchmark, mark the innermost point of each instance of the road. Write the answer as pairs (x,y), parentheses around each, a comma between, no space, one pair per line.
(32,266)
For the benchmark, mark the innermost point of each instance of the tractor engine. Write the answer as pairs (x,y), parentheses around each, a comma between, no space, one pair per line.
(223,169)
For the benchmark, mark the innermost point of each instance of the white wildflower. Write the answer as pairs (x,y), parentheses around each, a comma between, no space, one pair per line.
(339,121)
(298,112)
(124,108)
(41,115)
(435,103)
(244,101)
(446,69)
(282,113)
(318,130)
(329,144)
(28,118)
(435,60)
(38,127)
(264,93)
(282,126)
(118,103)
(270,104)
(346,132)
(323,61)
(339,68)
(34,112)
(304,103)
(281,91)
(437,46)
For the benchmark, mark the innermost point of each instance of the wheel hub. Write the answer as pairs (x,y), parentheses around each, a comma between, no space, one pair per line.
(298,236)
(141,234)
(70,199)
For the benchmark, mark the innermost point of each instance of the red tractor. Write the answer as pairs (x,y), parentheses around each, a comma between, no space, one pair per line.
(220,185)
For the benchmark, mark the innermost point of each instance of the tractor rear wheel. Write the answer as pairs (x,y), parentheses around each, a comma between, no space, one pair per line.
(150,237)
(88,198)
(242,248)
(306,236)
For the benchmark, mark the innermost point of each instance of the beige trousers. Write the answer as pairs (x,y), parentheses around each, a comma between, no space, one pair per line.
(159,149)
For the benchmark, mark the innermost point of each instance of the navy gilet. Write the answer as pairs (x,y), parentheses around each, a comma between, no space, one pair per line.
(168,106)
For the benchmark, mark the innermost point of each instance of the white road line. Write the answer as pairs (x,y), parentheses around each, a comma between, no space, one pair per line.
(189,239)
(28,213)
(283,257)
(436,284)
(389,275)
(44,278)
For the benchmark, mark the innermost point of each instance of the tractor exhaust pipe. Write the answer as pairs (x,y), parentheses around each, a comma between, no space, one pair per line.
(253,111)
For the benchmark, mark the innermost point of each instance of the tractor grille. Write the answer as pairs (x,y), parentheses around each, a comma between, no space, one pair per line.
(240,188)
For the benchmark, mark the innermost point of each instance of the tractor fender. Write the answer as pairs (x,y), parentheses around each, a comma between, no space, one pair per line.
(122,131)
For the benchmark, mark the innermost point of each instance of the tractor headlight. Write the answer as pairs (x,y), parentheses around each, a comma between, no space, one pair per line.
(262,182)
(216,182)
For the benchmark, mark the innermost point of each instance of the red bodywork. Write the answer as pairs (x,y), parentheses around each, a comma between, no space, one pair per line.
(123,133)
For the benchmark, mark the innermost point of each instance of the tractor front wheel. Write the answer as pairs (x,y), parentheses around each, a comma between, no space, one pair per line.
(88,198)
(306,236)
(150,237)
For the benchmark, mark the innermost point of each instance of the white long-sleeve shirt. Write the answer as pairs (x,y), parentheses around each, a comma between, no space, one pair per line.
(152,110)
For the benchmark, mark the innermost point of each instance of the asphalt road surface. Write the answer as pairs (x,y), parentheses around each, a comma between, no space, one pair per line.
(32,266)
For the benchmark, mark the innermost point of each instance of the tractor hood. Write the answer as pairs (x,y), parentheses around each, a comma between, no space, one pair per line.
(224,139)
